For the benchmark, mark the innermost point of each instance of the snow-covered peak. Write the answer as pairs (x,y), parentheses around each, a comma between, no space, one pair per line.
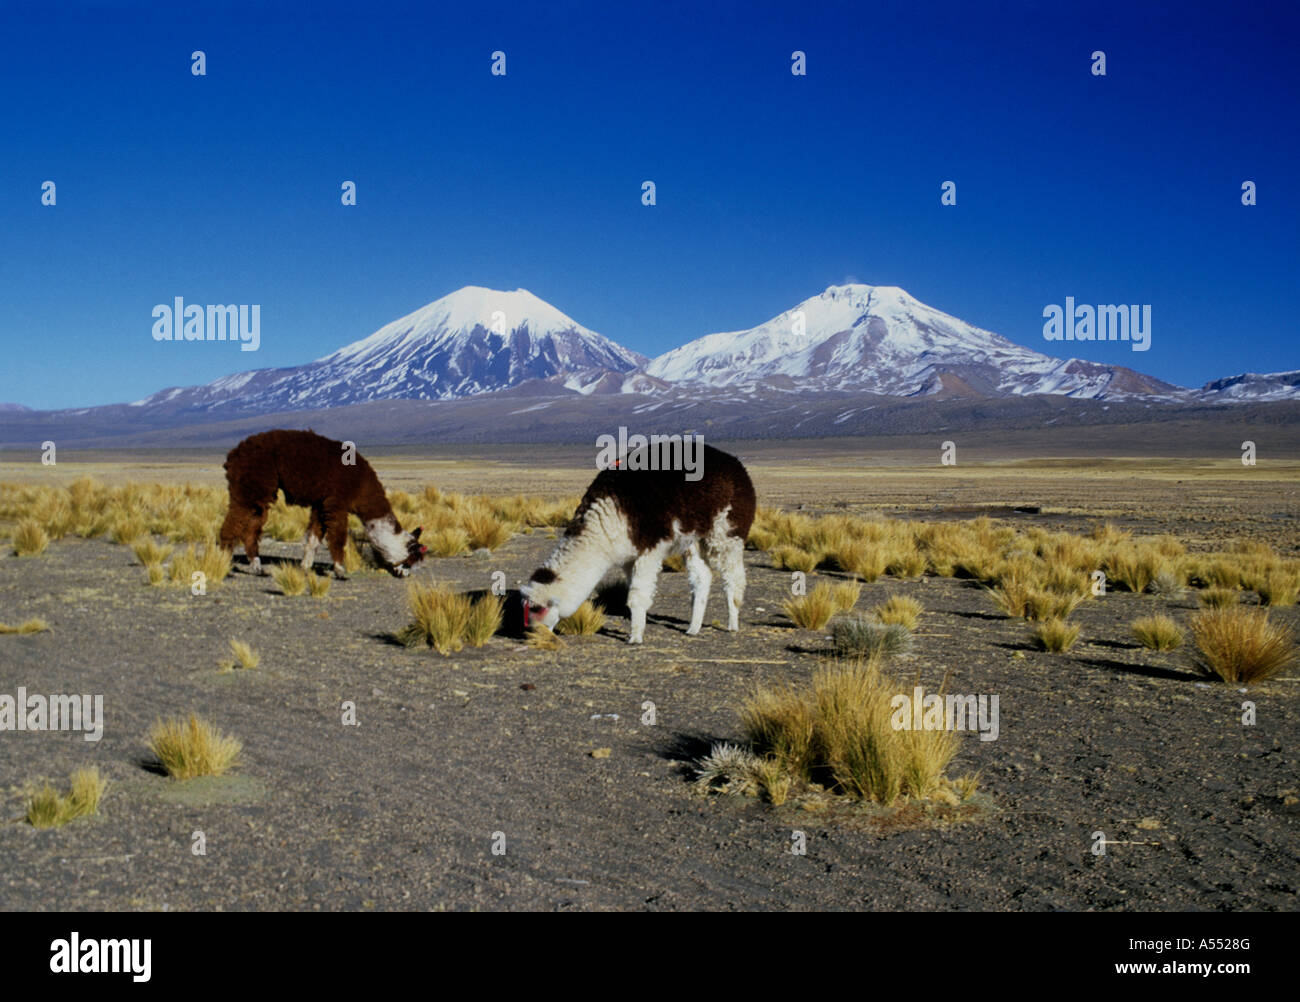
(492,312)
(880,339)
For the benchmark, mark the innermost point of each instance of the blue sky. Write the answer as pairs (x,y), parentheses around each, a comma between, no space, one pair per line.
(225,188)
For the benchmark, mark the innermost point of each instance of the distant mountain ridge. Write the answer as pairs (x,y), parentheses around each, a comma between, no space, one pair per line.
(833,364)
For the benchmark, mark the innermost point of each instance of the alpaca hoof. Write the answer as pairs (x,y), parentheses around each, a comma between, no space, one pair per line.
(339,572)
(692,631)
(634,640)
(256,567)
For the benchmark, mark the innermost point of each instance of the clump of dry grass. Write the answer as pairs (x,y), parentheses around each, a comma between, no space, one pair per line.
(900,609)
(1240,644)
(190,748)
(794,558)
(484,531)
(1040,605)
(29,539)
(845,595)
(352,561)
(212,562)
(906,563)
(484,620)
(157,573)
(675,564)
(33,625)
(1219,598)
(1133,566)
(1012,597)
(862,560)
(447,542)
(587,619)
(1157,633)
(318,585)
(440,618)
(47,808)
(1055,635)
(291,579)
(1275,586)
(148,552)
(244,656)
(542,638)
(812,611)
(841,735)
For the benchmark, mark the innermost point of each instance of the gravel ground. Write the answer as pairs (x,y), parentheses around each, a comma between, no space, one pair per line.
(401,811)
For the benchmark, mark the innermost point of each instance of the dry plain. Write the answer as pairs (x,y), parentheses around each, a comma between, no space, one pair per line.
(403,811)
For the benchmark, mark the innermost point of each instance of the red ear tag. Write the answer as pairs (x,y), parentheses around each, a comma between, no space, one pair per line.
(525,614)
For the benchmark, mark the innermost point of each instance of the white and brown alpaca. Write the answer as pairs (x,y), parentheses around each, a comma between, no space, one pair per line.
(312,472)
(635,518)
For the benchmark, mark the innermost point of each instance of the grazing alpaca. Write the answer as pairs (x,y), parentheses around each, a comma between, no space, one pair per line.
(311,471)
(635,518)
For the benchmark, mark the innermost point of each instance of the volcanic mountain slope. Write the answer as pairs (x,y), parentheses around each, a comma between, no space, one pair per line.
(474,340)
(879,339)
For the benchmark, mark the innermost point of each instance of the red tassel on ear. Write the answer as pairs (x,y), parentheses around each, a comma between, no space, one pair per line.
(525,614)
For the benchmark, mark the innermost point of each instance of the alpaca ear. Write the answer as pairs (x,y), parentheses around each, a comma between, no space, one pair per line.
(416,533)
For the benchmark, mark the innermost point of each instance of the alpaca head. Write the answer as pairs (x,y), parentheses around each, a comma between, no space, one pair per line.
(399,549)
(546,599)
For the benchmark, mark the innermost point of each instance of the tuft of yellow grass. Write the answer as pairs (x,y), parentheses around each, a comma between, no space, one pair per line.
(484,530)
(29,538)
(900,609)
(191,748)
(842,734)
(1219,598)
(244,654)
(156,572)
(813,610)
(1040,605)
(1157,633)
(1134,566)
(542,638)
(318,585)
(212,561)
(1276,586)
(291,578)
(794,558)
(675,564)
(47,808)
(845,595)
(1240,644)
(1055,635)
(587,619)
(148,552)
(440,618)
(484,620)
(33,625)
(447,542)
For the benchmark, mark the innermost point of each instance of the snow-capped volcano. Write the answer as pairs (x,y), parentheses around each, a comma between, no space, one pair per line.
(881,340)
(474,340)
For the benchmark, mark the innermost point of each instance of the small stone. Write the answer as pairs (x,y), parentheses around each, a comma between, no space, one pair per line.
(601,752)
(1148,824)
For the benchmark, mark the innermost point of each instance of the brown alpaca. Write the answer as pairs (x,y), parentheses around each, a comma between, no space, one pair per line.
(317,473)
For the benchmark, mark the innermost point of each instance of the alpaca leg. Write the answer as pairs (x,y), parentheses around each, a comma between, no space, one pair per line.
(641,591)
(728,558)
(252,538)
(315,532)
(232,528)
(335,523)
(701,578)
